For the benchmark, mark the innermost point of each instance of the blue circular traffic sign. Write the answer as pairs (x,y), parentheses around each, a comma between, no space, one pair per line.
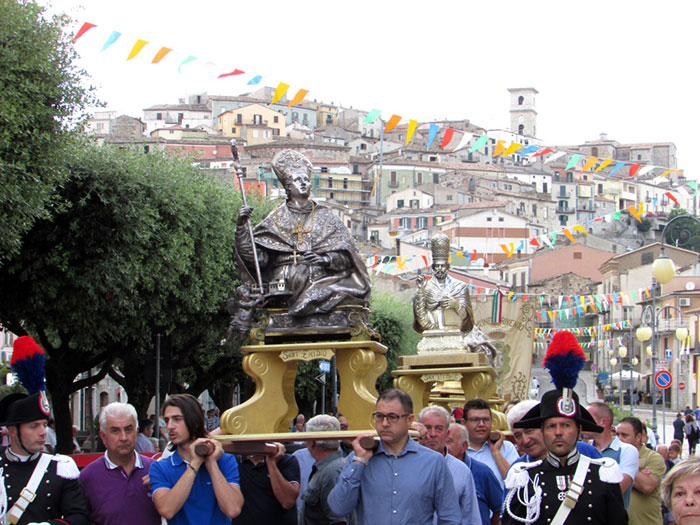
(663,379)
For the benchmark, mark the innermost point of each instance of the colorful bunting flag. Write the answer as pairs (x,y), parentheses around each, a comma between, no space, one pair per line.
(432,133)
(480,143)
(298,97)
(160,54)
(255,80)
(111,40)
(233,74)
(447,137)
(138,46)
(83,29)
(392,123)
(372,116)
(412,125)
(279,92)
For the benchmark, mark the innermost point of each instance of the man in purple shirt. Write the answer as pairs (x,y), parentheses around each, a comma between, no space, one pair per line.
(113,485)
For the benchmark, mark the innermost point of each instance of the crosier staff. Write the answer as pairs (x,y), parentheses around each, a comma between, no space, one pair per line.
(239,173)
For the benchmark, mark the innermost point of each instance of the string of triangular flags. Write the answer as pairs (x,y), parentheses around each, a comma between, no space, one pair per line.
(579,305)
(583,331)
(460,138)
(188,59)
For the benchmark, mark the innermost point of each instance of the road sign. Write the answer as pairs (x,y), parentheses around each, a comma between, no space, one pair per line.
(324,366)
(681,385)
(594,367)
(663,379)
(603,377)
(669,353)
(662,364)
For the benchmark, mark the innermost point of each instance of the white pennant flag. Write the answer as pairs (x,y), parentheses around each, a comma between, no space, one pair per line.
(557,155)
(466,137)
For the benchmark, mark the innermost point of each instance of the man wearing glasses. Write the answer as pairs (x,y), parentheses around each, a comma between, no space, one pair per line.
(497,455)
(402,481)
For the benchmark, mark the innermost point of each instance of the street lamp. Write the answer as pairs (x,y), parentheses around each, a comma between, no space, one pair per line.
(663,271)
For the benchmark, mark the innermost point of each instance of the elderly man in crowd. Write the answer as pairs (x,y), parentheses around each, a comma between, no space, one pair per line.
(645,500)
(497,455)
(120,471)
(489,489)
(328,465)
(402,482)
(611,447)
(436,421)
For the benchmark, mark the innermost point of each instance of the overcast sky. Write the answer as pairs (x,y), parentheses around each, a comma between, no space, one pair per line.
(626,68)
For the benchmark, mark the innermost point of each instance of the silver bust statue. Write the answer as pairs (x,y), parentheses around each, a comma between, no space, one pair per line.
(441,302)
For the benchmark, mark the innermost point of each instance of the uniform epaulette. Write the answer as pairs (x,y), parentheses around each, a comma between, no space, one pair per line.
(65,466)
(609,470)
(517,475)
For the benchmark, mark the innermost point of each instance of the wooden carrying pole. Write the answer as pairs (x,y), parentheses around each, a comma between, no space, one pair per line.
(262,444)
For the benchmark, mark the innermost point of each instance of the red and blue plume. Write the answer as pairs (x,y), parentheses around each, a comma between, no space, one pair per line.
(564,360)
(28,364)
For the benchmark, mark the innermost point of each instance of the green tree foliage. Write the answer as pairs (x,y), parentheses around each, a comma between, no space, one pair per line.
(41,96)
(140,242)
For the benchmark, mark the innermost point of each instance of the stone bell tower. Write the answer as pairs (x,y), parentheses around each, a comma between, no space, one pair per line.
(523,116)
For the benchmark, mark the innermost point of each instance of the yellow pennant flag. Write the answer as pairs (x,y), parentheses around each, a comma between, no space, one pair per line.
(279,92)
(401,262)
(568,235)
(669,171)
(580,228)
(298,97)
(160,54)
(590,163)
(412,125)
(392,123)
(138,46)
(508,249)
(636,214)
(512,149)
(603,164)
(500,148)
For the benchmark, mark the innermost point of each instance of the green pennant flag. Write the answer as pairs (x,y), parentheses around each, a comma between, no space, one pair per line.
(480,143)
(372,116)
(693,184)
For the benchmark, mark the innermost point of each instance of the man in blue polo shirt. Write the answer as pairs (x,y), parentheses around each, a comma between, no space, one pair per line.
(185,493)
(117,477)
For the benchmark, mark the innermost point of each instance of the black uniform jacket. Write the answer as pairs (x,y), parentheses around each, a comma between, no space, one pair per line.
(599,503)
(58,499)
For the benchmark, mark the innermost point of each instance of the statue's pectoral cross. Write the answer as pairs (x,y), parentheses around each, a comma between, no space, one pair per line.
(299,231)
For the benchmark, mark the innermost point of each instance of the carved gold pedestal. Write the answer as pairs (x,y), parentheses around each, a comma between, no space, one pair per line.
(448,379)
(274,369)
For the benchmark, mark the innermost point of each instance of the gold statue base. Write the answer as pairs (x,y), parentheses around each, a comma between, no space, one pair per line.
(274,369)
(449,379)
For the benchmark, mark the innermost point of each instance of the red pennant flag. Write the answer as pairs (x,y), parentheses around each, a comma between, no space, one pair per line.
(425,260)
(535,242)
(634,168)
(232,73)
(543,152)
(447,137)
(670,196)
(83,29)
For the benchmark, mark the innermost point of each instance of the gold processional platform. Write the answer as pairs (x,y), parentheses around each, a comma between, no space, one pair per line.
(274,369)
(444,374)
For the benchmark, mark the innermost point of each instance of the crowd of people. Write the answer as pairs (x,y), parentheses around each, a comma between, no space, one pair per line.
(456,470)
